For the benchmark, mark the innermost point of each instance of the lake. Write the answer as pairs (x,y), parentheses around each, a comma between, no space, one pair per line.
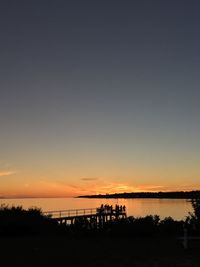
(176,208)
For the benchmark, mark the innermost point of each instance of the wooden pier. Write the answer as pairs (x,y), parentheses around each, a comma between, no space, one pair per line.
(95,218)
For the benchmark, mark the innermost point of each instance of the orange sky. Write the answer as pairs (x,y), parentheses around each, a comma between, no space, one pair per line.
(12,185)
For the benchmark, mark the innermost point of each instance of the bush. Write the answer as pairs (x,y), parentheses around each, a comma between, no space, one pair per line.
(16,220)
(170,226)
(193,220)
(144,226)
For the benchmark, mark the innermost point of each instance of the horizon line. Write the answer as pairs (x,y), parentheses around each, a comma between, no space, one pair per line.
(104,194)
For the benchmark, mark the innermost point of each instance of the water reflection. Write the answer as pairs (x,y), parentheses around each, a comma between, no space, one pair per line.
(176,208)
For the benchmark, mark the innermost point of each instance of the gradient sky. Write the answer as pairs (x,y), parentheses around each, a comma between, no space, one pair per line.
(99,96)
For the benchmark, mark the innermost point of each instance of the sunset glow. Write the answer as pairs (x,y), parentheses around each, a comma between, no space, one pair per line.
(85,186)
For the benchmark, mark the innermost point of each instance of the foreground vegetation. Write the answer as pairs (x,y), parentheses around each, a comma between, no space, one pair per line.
(17,221)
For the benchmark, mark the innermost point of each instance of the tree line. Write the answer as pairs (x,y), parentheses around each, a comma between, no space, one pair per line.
(167,195)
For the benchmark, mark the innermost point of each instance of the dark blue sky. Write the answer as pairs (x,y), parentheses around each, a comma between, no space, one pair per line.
(106,89)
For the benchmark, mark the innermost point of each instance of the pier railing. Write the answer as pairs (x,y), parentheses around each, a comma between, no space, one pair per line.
(70,213)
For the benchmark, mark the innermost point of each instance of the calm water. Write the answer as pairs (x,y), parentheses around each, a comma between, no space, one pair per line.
(177,209)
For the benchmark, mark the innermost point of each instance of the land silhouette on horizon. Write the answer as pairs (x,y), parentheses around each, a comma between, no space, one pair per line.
(168,195)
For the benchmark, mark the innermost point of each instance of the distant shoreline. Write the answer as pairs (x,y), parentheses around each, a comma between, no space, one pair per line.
(155,195)
(132,195)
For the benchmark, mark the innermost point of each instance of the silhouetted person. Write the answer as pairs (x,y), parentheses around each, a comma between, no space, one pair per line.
(111,208)
(117,208)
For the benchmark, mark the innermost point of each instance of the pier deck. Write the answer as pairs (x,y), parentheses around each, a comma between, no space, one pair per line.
(96,216)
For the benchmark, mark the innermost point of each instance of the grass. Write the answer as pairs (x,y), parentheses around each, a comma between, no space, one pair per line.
(55,250)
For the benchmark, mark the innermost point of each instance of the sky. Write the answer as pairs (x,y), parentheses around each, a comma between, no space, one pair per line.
(99,97)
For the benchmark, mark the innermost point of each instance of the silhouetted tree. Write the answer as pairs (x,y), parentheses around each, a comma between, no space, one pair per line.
(193,220)
(196,208)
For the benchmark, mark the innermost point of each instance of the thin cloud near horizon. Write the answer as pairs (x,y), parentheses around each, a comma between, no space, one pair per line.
(6,173)
(89,178)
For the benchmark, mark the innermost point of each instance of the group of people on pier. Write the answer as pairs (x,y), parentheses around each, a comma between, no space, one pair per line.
(109,209)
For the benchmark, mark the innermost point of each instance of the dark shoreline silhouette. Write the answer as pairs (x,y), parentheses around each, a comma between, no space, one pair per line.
(159,195)
(16,221)
(107,222)
(111,221)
